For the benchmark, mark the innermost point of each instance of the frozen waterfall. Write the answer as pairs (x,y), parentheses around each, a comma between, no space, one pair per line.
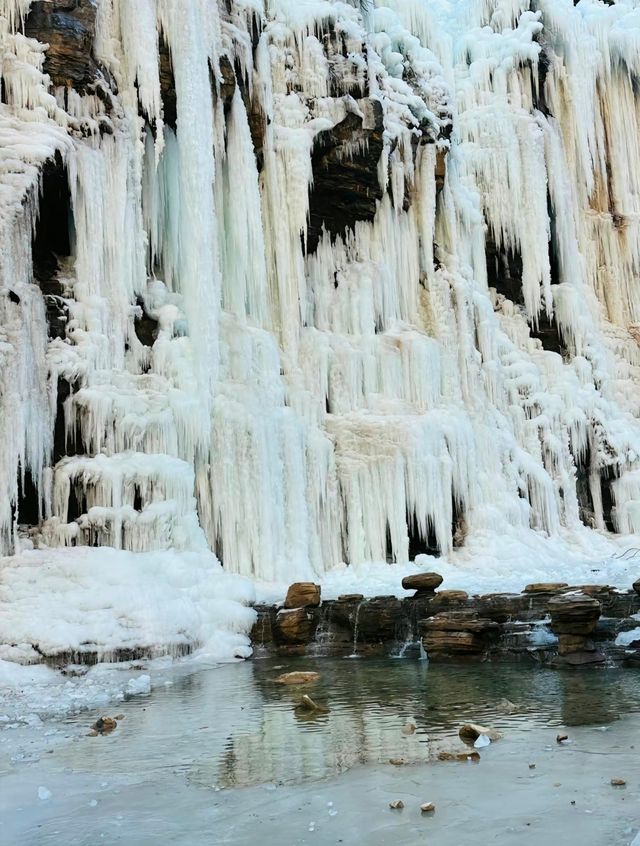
(291,289)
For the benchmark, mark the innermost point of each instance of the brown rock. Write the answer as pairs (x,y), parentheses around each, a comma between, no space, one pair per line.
(452,596)
(470,732)
(425,582)
(311,706)
(397,804)
(397,762)
(69,28)
(562,738)
(459,756)
(574,614)
(457,633)
(301,594)
(351,597)
(298,677)
(545,587)
(408,728)
(636,586)
(618,782)
(427,808)
(104,725)
(295,626)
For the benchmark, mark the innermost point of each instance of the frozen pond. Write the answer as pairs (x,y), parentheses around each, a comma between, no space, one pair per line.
(223,756)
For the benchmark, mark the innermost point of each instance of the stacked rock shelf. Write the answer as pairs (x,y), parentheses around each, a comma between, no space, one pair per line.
(549,623)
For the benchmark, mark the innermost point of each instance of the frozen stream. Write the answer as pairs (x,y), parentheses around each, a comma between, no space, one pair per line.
(222,756)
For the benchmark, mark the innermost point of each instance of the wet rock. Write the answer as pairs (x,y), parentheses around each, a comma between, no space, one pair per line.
(422,582)
(470,732)
(446,755)
(298,677)
(69,28)
(302,594)
(351,597)
(574,618)
(545,587)
(457,633)
(397,804)
(310,706)
(295,626)
(379,620)
(562,738)
(427,808)
(262,631)
(618,782)
(104,725)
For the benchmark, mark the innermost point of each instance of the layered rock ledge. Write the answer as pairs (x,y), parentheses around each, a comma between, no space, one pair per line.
(554,624)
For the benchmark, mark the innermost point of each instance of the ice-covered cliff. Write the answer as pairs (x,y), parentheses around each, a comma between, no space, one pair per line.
(304,283)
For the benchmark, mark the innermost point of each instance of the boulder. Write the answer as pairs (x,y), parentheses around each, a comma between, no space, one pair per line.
(470,732)
(302,594)
(422,582)
(295,626)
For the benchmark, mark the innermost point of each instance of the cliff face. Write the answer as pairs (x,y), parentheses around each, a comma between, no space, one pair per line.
(313,287)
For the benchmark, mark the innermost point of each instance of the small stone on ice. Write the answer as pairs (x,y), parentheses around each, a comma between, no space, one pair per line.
(427,808)
(43,793)
(562,738)
(618,782)
(532,766)
(397,804)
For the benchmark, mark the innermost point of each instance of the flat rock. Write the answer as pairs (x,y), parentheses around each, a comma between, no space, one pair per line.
(301,594)
(445,755)
(351,597)
(545,587)
(452,596)
(422,582)
(427,807)
(297,677)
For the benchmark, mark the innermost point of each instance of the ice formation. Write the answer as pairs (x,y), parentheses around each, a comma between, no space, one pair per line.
(251,358)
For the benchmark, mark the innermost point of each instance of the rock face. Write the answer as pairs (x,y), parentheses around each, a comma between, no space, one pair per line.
(459,633)
(69,28)
(346,187)
(574,618)
(301,594)
(422,582)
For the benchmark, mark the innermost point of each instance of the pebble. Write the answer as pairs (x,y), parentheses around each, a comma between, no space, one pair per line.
(532,766)
(427,808)
(618,782)
(397,804)
(562,738)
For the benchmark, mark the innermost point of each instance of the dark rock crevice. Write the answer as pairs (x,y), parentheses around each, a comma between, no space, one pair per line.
(346,187)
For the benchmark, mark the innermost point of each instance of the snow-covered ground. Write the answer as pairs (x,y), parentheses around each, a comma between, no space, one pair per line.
(489,563)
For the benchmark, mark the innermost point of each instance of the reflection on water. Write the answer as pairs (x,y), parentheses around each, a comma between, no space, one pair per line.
(233,726)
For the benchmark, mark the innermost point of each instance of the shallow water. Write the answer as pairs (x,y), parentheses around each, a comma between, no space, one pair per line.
(223,755)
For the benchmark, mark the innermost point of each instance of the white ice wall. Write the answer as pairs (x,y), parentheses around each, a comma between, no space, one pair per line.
(296,409)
